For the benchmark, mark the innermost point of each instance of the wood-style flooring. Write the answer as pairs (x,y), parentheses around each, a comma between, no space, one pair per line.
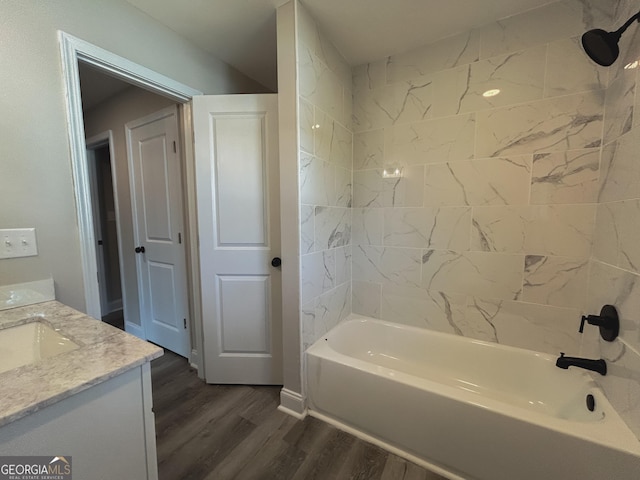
(235,432)
(115,319)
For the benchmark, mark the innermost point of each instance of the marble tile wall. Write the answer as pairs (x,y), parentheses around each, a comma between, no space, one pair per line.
(488,230)
(615,265)
(325,179)
(512,215)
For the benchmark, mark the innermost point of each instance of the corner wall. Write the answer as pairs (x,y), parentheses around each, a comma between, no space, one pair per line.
(488,231)
(316,146)
(615,266)
(325,179)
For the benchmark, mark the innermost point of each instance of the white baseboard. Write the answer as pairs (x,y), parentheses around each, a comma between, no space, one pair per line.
(114,305)
(292,404)
(194,361)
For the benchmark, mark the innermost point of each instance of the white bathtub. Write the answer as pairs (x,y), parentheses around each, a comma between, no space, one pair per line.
(465,408)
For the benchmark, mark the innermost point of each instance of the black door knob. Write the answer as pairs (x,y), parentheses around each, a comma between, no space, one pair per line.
(139,249)
(276,262)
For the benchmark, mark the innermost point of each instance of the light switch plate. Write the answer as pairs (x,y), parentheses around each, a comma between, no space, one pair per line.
(18,242)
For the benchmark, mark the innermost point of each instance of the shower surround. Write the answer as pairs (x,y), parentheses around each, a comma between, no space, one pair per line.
(488,231)
(325,181)
(615,261)
(513,215)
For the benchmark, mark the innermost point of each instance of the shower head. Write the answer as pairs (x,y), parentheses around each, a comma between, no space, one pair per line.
(602,46)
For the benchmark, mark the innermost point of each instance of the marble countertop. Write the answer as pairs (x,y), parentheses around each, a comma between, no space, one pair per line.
(104,353)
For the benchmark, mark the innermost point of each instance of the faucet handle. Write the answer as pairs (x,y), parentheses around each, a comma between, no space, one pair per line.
(607,322)
(584,319)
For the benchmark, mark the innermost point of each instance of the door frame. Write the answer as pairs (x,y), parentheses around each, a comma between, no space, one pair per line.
(92,143)
(103,139)
(72,51)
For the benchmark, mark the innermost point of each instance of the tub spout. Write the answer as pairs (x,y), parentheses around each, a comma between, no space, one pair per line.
(599,366)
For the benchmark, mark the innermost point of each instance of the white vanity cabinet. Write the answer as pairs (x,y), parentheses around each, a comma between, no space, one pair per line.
(92,403)
(108,430)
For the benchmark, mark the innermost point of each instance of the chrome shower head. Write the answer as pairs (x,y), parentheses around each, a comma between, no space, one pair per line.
(602,46)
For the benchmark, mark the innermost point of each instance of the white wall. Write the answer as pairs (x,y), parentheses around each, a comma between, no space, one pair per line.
(291,396)
(131,104)
(36,187)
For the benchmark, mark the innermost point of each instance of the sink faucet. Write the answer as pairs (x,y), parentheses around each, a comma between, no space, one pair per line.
(599,366)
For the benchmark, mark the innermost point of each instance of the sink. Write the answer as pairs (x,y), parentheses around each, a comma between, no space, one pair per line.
(30,343)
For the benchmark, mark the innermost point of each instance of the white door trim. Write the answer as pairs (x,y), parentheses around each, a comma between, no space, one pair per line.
(106,138)
(72,50)
(95,203)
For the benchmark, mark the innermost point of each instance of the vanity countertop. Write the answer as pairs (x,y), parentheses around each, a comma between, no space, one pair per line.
(104,353)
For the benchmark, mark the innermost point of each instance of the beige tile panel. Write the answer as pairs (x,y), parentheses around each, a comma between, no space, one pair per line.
(559,281)
(565,177)
(564,230)
(492,181)
(518,76)
(481,274)
(446,228)
(557,124)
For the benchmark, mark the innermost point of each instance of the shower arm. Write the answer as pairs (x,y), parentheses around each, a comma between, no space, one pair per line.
(618,33)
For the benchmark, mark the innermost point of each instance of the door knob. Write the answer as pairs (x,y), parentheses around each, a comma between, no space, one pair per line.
(276,262)
(139,249)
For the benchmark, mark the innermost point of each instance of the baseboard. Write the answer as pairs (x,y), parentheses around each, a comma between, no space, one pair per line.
(194,361)
(114,305)
(292,404)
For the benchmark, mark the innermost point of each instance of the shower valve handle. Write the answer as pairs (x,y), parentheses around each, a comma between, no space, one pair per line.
(584,319)
(607,321)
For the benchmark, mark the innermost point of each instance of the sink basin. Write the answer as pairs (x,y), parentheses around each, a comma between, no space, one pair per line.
(30,343)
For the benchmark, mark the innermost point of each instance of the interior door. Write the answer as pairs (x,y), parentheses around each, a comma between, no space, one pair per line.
(236,151)
(156,190)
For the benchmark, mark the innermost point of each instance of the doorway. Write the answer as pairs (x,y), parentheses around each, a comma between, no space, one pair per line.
(137,171)
(111,109)
(106,227)
(75,51)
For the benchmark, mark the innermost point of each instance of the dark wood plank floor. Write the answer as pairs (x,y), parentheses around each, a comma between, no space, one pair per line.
(115,319)
(235,432)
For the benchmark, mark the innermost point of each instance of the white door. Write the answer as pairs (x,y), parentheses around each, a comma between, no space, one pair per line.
(236,151)
(156,190)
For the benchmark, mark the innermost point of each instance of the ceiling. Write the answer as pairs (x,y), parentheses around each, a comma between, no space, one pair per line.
(242,33)
(97,86)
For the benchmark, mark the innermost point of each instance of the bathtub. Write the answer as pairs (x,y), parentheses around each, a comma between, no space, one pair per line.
(467,409)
